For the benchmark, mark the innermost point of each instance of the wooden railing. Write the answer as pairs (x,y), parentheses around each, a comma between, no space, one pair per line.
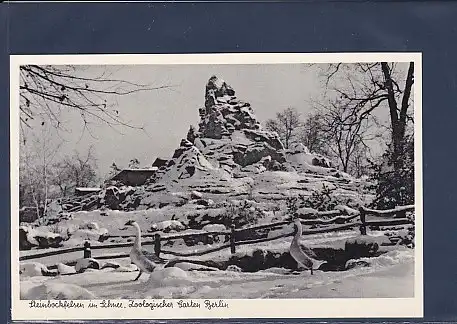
(341,221)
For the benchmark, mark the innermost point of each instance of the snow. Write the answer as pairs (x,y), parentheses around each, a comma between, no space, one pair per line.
(44,232)
(174,201)
(390,258)
(367,239)
(140,169)
(89,226)
(169,224)
(305,211)
(87,189)
(346,210)
(130,268)
(65,270)
(214,228)
(234,268)
(83,264)
(32,269)
(196,195)
(389,275)
(111,264)
(59,291)
(167,276)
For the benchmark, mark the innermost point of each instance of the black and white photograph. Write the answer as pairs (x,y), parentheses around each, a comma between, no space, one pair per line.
(206,181)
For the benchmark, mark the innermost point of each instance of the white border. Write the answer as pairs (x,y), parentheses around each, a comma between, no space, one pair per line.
(239,308)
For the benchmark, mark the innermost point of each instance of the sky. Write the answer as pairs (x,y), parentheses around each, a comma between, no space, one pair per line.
(166,114)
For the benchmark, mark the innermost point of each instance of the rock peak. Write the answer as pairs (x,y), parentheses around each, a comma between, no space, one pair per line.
(223,113)
(217,87)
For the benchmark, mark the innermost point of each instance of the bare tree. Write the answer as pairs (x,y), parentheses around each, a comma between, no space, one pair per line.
(37,156)
(46,91)
(343,135)
(286,124)
(360,164)
(75,171)
(313,134)
(364,87)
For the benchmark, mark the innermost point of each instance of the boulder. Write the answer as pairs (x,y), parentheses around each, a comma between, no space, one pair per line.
(204,202)
(33,269)
(110,264)
(90,234)
(169,225)
(351,264)
(64,269)
(24,243)
(196,195)
(38,237)
(234,268)
(86,263)
(89,226)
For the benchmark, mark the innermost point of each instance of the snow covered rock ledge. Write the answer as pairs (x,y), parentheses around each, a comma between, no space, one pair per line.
(30,237)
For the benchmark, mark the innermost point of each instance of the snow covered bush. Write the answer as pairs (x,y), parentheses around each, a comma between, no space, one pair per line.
(322,200)
(241,213)
(325,199)
(394,184)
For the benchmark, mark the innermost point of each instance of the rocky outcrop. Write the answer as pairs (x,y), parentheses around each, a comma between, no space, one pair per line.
(228,145)
(30,237)
(87,263)
(227,156)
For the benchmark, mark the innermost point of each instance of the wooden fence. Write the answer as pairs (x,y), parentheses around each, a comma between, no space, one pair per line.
(342,221)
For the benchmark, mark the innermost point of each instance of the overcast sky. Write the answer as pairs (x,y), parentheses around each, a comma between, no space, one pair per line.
(166,114)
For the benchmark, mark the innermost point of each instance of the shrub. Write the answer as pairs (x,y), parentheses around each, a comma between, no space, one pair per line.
(241,215)
(394,186)
(320,200)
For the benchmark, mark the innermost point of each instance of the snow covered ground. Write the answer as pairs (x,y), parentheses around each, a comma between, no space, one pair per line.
(390,275)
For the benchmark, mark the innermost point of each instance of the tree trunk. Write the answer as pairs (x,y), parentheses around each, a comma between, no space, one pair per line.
(398,122)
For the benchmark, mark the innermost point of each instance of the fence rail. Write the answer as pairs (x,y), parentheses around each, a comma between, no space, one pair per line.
(341,221)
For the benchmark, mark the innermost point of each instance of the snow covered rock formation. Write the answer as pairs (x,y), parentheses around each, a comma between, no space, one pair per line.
(228,153)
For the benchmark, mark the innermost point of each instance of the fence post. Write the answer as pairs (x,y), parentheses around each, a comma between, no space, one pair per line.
(157,247)
(363,227)
(400,214)
(232,239)
(87,251)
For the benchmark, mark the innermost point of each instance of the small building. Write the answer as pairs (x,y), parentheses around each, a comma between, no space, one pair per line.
(134,177)
(159,162)
(82,191)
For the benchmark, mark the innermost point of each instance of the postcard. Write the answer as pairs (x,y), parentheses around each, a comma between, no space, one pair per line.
(188,186)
